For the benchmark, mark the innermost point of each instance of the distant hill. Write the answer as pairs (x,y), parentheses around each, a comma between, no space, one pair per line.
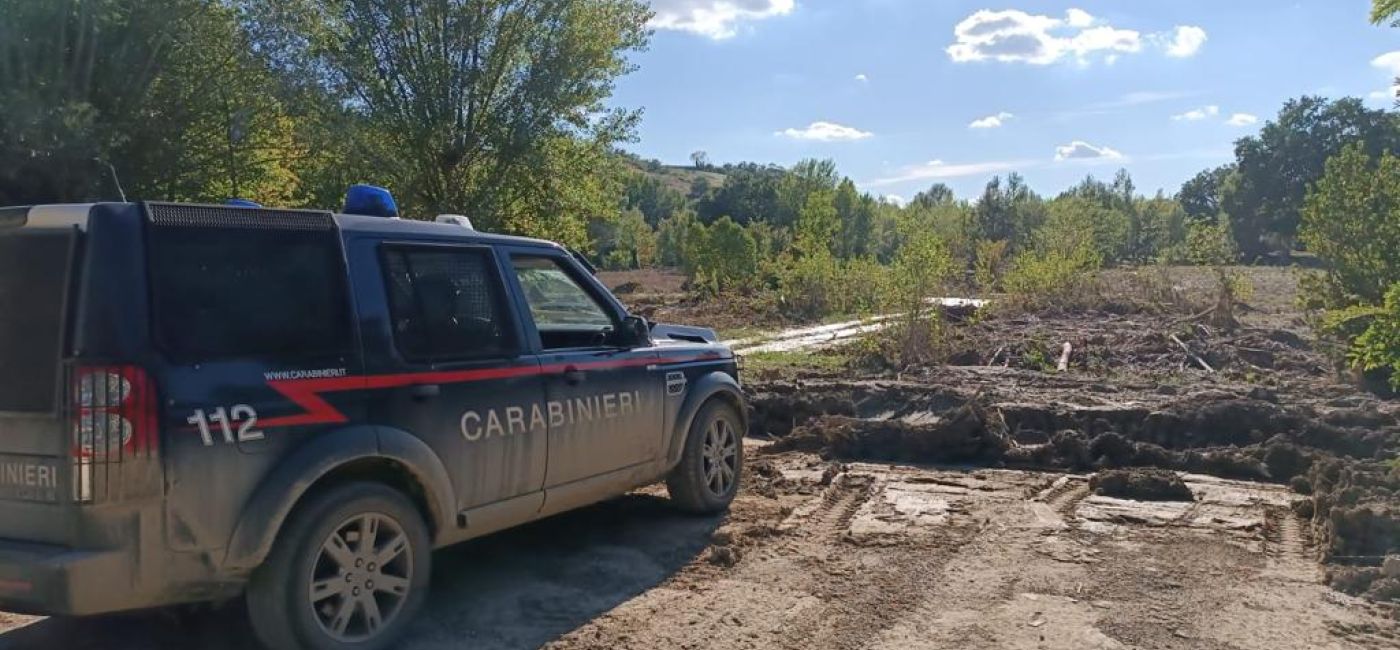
(676,177)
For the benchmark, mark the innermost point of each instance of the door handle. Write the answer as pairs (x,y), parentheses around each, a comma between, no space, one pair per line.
(425,391)
(572,375)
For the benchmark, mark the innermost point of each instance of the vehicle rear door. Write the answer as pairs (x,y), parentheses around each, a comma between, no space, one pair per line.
(37,270)
(446,363)
(604,400)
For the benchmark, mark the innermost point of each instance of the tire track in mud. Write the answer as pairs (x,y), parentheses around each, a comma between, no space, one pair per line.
(836,518)
(833,513)
(1284,538)
(863,588)
(1063,497)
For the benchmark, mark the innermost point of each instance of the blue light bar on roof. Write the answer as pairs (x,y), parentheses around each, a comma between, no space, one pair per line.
(371,201)
(243,203)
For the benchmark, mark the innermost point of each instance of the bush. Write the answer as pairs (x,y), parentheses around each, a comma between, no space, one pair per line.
(819,284)
(720,257)
(1206,244)
(919,275)
(1040,279)
(1378,347)
(1351,220)
(990,265)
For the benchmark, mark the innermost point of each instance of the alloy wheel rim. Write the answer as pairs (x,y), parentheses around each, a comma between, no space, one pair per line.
(361,577)
(721,457)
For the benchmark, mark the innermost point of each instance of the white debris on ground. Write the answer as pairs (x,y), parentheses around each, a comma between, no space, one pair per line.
(824,336)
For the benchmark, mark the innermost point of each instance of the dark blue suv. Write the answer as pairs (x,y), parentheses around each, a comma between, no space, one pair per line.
(199,402)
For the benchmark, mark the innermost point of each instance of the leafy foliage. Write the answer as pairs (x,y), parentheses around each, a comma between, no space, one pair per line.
(1200,197)
(152,89)
(1378,348)
(1385,11)
(1352,222)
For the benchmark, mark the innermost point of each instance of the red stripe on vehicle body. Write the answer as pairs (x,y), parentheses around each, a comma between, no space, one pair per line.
(308,393)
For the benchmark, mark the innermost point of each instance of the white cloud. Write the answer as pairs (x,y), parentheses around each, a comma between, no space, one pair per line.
(1081,150)
(1079,18)
(1389,62)
(935,169)
(991,121)
(1013,36)
(1242,119)
(862,77)
(717,19)
(825,132)
(893,199)
(1185,41)
(1198,114)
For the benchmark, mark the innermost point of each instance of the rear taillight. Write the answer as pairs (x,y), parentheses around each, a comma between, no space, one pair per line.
(114,413)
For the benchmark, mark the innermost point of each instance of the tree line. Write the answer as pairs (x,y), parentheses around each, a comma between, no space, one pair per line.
(494,108)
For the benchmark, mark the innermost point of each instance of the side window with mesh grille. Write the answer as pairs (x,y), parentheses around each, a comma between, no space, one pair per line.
(226,291)
(445,304)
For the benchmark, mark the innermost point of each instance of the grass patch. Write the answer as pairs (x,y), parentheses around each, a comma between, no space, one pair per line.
(741,333)
(789,363)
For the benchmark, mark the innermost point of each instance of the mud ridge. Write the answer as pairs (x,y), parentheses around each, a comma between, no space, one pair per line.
(1330,453)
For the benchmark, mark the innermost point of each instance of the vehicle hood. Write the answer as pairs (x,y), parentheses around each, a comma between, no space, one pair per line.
(685,337)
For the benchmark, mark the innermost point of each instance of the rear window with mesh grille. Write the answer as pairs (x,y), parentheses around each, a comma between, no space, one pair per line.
(35,268)
(446,303)
(231,292)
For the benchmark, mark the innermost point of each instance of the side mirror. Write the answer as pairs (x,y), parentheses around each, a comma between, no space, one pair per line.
(635,332)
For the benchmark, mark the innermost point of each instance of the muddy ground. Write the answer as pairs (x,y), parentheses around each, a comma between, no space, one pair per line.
(982,500)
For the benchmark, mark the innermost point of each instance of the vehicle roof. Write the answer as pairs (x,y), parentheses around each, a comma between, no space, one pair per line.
(71,214)
(412,227)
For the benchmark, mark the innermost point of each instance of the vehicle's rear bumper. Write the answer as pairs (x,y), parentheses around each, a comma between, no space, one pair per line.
(49,580)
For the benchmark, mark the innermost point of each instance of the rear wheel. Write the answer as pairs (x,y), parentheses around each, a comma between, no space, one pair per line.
(348,571)
(707,477)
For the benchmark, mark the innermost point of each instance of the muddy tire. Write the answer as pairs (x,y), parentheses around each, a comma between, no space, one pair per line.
(349,570)
(707,477)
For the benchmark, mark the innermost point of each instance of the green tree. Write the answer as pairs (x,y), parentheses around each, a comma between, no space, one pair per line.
(937,194)
(1265,197)
(496,108)
(656,200)
(158,89)
(856,214)
(1076,225)
(626,242)
(749,194)
(1351,220)
(731,256)
(1200,196)
(817,225)
(671,239)
(796,188)
(1163,224)
(1008,211)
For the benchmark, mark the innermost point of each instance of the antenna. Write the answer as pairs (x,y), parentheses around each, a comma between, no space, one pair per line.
(115,181)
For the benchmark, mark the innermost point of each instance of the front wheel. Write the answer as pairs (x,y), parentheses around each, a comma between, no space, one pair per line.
(707,477)
(348,571)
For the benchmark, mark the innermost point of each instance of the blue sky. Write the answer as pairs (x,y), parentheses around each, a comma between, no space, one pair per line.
(890,89)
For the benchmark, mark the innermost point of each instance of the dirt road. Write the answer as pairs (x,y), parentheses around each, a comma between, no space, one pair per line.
(871,556)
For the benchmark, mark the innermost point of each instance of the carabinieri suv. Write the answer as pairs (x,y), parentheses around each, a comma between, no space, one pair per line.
(202,402)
